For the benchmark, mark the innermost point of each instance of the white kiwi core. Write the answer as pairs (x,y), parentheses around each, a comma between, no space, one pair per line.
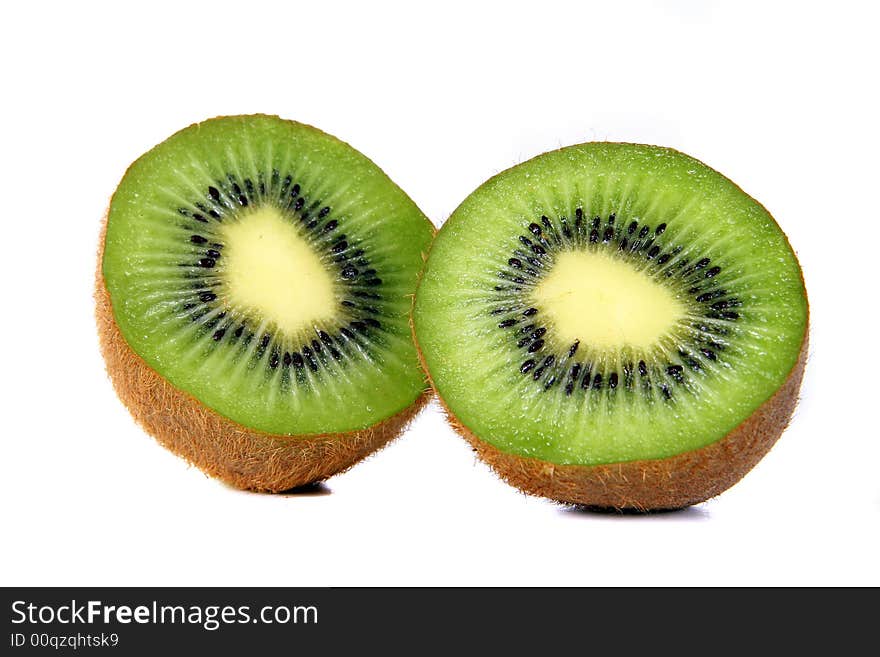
(271,271)
(599,300)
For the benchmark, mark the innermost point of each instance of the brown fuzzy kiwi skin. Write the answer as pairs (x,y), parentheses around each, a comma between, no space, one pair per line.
(244,458)
(649,485)
(646,485)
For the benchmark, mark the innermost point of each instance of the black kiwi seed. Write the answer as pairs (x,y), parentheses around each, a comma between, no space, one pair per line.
(708,296)
(690,361)
(566,231)
(588,373)
(310,359)
(526,366)
(675,371)
(538,373)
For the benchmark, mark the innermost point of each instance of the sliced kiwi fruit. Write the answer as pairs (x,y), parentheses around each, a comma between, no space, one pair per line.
(253,292)
(614,325)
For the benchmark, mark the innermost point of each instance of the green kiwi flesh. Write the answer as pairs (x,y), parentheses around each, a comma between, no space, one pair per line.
(614,308)
(255,279)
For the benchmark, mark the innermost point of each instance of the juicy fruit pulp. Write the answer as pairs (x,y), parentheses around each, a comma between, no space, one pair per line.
(265,268)
(608,303)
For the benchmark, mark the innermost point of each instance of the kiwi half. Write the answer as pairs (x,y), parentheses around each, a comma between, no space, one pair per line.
(614,325)
(253,293)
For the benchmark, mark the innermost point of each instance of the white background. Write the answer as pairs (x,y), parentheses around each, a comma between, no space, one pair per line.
(782,98)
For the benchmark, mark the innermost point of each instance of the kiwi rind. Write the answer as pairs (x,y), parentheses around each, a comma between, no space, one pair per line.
(243,458)
(650,485)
